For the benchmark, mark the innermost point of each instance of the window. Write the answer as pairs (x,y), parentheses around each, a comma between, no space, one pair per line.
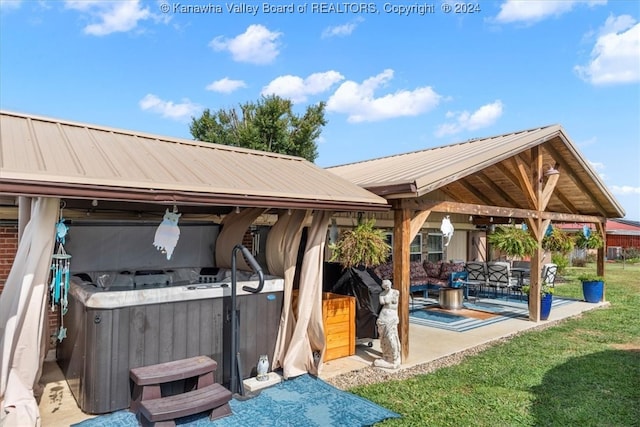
(415,248)
(435,249)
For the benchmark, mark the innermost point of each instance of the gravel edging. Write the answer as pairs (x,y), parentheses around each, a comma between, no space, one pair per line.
(374,375)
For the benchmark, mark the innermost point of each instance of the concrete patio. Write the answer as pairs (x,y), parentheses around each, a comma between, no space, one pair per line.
(58,406)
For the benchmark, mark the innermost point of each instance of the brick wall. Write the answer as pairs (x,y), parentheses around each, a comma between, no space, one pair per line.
(8,249)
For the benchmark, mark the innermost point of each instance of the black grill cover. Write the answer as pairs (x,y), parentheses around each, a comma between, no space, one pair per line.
(363,284)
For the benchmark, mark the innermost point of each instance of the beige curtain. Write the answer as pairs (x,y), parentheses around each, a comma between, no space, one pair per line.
(281,250)
(308,333)
(234,227)
(23,316)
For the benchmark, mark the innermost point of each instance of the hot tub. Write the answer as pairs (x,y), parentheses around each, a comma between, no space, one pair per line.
(129,324)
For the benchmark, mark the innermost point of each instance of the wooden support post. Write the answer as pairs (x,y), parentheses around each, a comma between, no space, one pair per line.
(401,242)
(601,228)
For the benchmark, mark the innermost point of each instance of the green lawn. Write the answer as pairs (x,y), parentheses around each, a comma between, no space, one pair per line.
(584,371)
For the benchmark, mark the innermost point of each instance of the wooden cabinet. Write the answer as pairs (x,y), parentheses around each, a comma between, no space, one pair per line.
(339,321)
(338,316)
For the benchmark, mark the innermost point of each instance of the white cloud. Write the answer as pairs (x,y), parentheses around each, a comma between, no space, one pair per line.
(297,89)
(624,189)
(341,30)
(257,45)
(112,16)
(463,121)
(615,58)
(358,101)
(181,112)
(532,11)
(226,85)
(7,5)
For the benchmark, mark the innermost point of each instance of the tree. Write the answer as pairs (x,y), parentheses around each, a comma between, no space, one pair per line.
(268,125)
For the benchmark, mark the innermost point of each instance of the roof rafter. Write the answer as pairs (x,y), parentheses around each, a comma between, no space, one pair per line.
(572,175)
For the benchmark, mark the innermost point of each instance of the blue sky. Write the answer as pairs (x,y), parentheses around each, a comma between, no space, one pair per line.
(396,76)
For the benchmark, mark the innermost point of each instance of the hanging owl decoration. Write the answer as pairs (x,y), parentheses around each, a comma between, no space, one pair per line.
(447,230)
(586,231)
(168,233)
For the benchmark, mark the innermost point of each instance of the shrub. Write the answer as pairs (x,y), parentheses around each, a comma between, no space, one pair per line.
(561,261)
(579,262)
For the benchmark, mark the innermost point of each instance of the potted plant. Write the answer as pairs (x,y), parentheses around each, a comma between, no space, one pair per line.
(546,299)
(363,246)
(592,287)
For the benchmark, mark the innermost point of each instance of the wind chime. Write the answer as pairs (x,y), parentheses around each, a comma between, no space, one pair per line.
(60,272)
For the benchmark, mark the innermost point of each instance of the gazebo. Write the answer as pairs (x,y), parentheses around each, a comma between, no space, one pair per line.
(536,176)
(115,174)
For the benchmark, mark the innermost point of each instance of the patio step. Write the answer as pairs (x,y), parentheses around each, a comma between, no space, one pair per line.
(163,411)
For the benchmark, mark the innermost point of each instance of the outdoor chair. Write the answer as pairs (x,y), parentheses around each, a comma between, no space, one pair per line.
(549,272)
(476,277)
(499,277)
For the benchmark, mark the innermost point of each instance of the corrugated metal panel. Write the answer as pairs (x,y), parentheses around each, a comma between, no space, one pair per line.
(479,171)
(42,151)
(431,166)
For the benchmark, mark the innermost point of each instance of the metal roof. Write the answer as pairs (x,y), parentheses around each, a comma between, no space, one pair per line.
(44,156)
(483,171)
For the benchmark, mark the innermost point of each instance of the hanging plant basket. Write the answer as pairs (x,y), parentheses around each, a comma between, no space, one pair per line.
(364,245)
(513,241)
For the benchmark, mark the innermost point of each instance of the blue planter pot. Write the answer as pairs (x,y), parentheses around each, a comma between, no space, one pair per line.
(545,306)
(593,290)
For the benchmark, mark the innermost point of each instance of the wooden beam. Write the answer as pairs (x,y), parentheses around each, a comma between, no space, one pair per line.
(601,228)
(476,193)
(564,217)
(466,208)
(486,210)
(497,190)
(401,242)
(571,173)
(534,278)
(524,180)
(417,222)
(536,259)
(549,186)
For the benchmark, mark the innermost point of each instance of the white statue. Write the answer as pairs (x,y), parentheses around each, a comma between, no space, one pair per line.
(388,328)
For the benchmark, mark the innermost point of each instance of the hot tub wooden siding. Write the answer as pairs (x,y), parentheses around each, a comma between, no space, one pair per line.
(103,344)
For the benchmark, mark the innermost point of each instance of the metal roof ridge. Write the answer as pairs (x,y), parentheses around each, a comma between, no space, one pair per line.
(468,141)
(141,134)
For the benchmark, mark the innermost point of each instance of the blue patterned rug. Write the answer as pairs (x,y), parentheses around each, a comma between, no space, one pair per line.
(301,401)
(426,312)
